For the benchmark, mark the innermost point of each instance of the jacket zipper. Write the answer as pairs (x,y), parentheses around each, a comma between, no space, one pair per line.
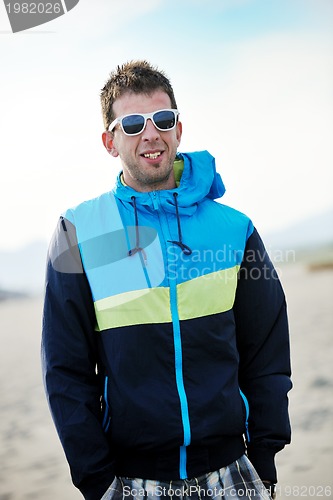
(247,414)
(180,381)
(107,418)
(178,368)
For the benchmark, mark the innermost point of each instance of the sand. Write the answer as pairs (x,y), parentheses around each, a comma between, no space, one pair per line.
(32,463)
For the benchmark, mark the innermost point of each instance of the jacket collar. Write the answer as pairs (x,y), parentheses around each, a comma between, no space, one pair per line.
(199,180)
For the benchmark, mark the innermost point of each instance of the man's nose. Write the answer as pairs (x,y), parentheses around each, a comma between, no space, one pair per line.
(150,132)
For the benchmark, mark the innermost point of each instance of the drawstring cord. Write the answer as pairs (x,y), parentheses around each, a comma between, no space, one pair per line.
(185,249)
(137,247)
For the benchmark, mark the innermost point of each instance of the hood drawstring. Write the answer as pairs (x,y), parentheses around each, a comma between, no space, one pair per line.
(137,247)
(185,249)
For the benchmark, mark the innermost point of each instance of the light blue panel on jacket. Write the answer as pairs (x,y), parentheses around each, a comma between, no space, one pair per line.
(104,246)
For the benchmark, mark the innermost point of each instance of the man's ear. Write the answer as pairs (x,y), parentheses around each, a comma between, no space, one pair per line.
(179,131)
(108,141)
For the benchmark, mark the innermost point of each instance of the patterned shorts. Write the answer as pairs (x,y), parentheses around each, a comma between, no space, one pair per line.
(238,481)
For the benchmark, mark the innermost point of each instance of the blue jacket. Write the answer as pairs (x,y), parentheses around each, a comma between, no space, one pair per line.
(165,336)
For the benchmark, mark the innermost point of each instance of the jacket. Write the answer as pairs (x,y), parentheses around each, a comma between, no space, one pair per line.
(165,336)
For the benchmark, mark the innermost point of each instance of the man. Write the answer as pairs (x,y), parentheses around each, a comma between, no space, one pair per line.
(165,336)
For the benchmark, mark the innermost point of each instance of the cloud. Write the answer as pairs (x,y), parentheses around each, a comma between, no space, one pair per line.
(265,112)
(100,18)
(216,4)
(268,118)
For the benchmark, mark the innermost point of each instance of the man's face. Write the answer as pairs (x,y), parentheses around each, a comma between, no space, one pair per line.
(147,159)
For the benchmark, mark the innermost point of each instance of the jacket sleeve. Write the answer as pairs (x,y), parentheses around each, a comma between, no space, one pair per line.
(263,344)
(69,360)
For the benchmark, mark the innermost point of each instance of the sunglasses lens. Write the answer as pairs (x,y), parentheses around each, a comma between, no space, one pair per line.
(164,120)
(133,124)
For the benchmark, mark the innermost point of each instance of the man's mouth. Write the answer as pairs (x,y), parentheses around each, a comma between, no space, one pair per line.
(152,156)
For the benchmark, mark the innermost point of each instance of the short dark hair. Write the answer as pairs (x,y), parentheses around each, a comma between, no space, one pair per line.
(139,77)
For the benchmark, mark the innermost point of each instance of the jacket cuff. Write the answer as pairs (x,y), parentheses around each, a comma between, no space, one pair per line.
(262,460)
(94,488)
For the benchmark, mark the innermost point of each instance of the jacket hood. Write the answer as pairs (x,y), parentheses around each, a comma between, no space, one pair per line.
(199,180)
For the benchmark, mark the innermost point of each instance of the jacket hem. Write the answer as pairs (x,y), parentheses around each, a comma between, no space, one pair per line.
(164,466)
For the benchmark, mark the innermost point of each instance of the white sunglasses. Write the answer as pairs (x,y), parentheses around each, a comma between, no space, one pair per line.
(134,124)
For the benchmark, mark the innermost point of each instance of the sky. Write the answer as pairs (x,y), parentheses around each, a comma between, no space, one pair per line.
(253,81)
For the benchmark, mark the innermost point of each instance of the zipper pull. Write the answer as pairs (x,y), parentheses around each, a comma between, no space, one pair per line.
(155,200)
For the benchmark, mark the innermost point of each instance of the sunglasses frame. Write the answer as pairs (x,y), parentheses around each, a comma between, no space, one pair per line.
(146,116)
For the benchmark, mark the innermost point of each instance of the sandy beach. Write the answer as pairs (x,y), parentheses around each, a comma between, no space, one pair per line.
(32,463)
